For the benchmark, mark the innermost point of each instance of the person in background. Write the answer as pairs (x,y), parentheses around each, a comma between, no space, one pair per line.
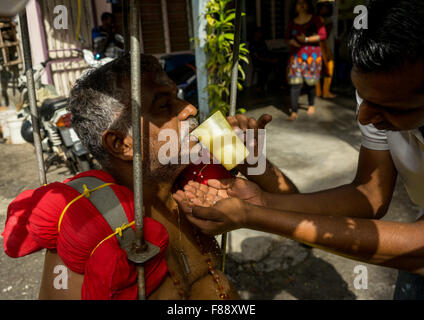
(325,11)
(303,35)
(262,61)
(106,41)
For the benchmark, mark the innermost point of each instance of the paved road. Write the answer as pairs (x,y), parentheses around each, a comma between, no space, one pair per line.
(316,152)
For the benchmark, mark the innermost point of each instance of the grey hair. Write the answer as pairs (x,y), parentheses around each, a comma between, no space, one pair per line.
(101,100)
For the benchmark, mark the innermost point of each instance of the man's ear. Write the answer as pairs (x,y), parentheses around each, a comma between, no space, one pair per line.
(118,144)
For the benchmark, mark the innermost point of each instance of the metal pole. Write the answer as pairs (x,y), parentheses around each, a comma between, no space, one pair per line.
(233,98)
(165,24)
(198,10)
(31,96)
(234,70)
(136,105)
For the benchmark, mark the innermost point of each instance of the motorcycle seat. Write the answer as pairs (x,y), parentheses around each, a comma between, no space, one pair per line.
(50,106)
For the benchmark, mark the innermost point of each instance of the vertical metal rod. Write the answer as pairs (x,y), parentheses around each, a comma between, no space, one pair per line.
(31,96)
(233,97)
(224,238)
(165,23)
(125,26)
(234,70)
(190,23)
(136,105)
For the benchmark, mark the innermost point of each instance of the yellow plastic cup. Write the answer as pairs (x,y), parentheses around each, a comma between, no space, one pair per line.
(216,134)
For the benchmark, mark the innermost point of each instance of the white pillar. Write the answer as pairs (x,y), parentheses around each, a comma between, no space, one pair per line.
(198,7)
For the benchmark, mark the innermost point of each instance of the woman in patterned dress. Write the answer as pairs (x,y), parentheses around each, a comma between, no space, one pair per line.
(304,33)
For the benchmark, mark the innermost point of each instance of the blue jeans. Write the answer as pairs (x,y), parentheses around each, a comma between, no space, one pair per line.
(409,286)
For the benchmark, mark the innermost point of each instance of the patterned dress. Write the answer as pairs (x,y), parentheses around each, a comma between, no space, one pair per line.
(305,61)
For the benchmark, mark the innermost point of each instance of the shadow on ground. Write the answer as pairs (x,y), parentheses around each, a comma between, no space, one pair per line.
(286,270)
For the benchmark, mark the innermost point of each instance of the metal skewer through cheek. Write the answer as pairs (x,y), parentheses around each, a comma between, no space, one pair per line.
(138,250)
(233,97)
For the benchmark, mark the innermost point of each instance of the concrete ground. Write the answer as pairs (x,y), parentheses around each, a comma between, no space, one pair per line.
(316,152)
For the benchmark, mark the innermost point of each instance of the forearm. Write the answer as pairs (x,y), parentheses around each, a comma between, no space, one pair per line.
(272,180)
(390,244)
(345,200)
(368,196)
(314,39)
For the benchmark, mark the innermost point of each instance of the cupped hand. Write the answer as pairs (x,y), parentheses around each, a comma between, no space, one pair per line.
(242,189)
(225,215)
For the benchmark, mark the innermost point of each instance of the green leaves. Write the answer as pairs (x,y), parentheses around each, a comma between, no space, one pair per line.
(219,52)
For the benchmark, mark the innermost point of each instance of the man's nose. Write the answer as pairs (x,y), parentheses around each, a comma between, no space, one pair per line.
(187,111)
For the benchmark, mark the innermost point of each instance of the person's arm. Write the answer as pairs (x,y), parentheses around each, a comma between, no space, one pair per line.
(368,196)
(320,36)
(391,244)
(288,37)
(272,181)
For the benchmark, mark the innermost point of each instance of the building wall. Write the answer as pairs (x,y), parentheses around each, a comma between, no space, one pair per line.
(152,26)
(61,42)
(57,44)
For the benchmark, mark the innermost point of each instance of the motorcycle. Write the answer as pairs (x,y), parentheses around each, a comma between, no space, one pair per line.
(60,142)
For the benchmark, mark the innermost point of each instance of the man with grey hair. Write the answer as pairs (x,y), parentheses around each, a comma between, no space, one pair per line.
(74,225)
(100,104)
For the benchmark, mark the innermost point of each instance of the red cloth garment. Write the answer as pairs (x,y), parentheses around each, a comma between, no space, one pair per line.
(32,224)
(16,239)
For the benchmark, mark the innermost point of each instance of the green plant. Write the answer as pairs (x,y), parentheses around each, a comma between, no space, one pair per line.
(219,53)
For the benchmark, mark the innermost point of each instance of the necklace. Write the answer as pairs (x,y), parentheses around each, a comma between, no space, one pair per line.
(211,270)
(180,250)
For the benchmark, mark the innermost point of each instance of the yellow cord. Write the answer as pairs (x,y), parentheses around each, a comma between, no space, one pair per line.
(117,231)
(86,193)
